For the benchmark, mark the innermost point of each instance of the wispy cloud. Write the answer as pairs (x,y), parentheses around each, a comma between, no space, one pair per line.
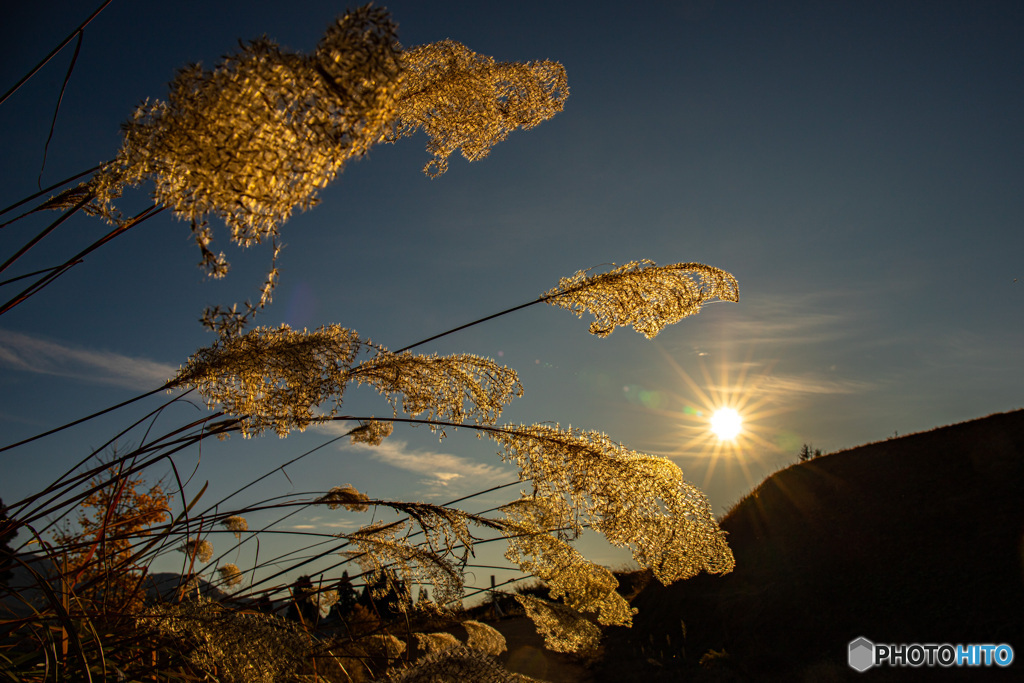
(782,385)
(809,319)
(333,522)
(813,384)
(441,471)
(350,525)
(33,354)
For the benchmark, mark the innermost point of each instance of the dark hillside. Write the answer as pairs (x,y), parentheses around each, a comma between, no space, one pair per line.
(911,540)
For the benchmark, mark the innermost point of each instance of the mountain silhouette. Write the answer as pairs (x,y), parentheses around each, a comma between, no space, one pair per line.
(916,539)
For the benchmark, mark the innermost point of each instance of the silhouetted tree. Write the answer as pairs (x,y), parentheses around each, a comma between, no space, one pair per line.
(809,453)
(387,596)
(302,608)
(347,596)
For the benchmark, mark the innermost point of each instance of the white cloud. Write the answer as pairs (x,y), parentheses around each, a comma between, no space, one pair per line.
(441,470)
(351,525)
(32,354)
(329,524)
(335,428)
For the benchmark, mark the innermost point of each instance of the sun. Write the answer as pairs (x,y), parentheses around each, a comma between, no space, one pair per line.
(726,424)
(723,424)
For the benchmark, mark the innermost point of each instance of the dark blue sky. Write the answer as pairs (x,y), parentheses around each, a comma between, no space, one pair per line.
(858,166)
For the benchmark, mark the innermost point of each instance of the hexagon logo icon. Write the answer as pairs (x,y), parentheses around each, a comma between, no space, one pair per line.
(862,654)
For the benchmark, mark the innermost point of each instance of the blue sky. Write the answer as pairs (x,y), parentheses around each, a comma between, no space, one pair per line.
(856,165)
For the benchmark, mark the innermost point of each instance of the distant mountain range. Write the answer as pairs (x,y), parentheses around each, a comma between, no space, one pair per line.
(918,539)
(24,586)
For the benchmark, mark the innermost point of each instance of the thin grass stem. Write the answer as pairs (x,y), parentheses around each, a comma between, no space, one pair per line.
(76,259)
(43,191)
(53,53)
(46,231)
(56,110)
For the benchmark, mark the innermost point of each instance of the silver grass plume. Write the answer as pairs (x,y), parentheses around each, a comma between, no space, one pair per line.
(384,644)
(436,642)
(236,525)
(451,388)
(245,647)
(230,574)
(564,629)
(642,294)
(345,496)
(585,586)
(372,432)
(484,638)
(438,558)
(636,500)
(386,556)
(458,664)
(444,528)
(197,549)
(273,378)
(324,600)
(255,139)
(230,322)
(467,101)
(258,136)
